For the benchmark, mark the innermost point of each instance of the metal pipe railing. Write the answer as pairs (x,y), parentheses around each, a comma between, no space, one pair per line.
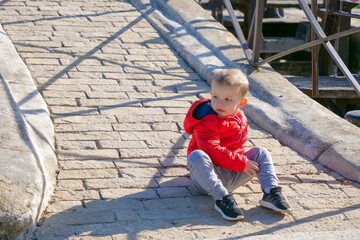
(318,37)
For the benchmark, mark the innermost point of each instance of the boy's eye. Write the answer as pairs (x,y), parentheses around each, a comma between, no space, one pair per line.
(228,99)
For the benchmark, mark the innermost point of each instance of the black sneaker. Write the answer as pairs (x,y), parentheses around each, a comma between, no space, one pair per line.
(228,208)
(275,200)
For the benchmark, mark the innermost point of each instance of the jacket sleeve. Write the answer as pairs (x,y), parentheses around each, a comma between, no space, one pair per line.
(207,135)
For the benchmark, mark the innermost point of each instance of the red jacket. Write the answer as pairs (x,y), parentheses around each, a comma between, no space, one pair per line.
(222,138)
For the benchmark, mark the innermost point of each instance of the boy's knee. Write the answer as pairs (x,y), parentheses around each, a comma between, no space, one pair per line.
(263,155)
(263,151)
(198,157)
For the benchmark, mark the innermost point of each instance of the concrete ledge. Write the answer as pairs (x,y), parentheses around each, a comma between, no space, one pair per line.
(27,158)
(274,103)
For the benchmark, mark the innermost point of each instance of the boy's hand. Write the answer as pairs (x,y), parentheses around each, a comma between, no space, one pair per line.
(251,168)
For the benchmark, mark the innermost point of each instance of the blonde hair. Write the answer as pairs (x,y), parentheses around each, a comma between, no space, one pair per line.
(234,78)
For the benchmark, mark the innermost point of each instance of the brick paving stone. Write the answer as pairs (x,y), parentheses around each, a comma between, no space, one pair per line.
(127,215)
(172,233)
(143,153)
(169,213)
(137,95)
(67,87)
(130,112)
(86,164)
(64,110)
(352,213)
(176,110)
(87,119)
(91,238)
(180,152)
(61,206)
(173,161)
(320,225)
(101,231)
(155,89)
(85,217)
(200,85)
(242,190)
(166,203)
(321,197)
(128,193)
(288,179)
(173,181)
(139,172)
(70,184)
(297,169)
(92,75)
(149,225)
(137,163)
(131,127)
(151,118)
(87,154)
(121,144)
(76,195)
(82,127)
(106,95)
(88,173)
(285,159)
(54,228)
(109,102)
(165,127)
(87,136)
(173,192)
(266,142)
(71,145)
(176,97)
(308,215)
(120,183)
(53,94)
(315,178)
(158,143)
(174,172)
(61,101)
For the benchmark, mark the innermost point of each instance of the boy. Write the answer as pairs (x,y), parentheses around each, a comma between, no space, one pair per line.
(217,161)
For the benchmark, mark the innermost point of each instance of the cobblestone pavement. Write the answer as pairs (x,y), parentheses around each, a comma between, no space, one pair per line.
(118,94)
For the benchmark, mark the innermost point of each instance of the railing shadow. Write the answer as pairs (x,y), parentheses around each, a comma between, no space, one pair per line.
(4,2)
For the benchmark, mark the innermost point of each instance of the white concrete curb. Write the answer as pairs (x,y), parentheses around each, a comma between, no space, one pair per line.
(27,156)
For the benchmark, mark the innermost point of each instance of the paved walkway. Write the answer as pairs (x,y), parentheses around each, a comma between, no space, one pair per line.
(118,94)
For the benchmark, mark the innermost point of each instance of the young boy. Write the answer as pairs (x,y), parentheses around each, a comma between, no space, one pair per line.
(217,160)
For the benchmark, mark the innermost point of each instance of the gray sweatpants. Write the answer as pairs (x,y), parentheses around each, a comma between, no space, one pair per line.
(207,178)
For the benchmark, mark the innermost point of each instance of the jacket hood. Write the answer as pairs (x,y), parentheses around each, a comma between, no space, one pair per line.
(190,121)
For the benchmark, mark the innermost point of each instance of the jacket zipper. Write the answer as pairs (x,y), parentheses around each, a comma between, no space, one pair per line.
(241,129)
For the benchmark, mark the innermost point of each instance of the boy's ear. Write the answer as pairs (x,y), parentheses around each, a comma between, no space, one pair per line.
(243,102)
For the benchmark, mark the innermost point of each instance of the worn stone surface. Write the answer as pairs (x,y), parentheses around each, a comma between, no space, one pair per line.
(27,158)
(119,137)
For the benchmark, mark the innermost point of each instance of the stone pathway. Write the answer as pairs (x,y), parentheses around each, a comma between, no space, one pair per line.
(118,94)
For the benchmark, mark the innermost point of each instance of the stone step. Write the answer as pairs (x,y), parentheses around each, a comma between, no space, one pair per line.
(329,87)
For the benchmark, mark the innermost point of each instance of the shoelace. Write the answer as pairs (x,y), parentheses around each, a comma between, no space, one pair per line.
(229,203)
(277,197)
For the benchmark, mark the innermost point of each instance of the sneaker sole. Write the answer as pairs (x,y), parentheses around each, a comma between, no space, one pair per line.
(272,207)
(227,217)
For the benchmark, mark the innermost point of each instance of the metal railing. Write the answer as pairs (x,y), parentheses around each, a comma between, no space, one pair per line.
(318,37)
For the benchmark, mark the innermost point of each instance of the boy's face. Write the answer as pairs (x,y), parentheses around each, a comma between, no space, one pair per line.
(225,100)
